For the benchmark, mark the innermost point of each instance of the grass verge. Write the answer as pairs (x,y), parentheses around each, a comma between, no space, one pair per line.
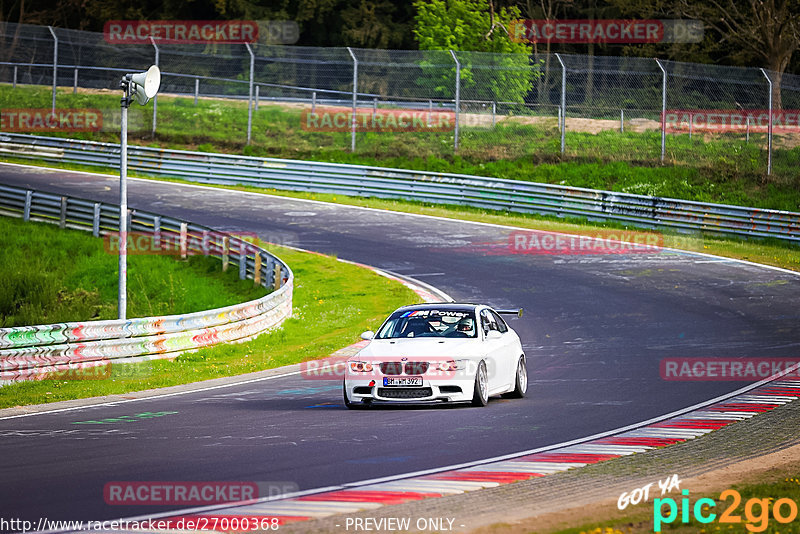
(49,275)
(333,303)
(722,169)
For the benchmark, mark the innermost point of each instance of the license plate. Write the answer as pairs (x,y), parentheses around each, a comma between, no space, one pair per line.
(402,381)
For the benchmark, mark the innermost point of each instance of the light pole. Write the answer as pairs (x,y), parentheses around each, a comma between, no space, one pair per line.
(142,87)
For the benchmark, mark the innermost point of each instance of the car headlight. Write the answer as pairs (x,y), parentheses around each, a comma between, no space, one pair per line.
(452,365)
(360,367)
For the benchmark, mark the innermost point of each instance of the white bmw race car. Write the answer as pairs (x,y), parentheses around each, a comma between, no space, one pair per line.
(430,353)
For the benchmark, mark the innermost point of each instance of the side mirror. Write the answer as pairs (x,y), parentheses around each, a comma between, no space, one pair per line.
(493,334)
(368,335)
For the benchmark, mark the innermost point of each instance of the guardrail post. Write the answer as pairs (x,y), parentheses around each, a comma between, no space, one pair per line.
(663,110)
(769,125)
(75,82)
(157,232)
(204,244)
(355,101)
(96,220)
(62,219)
(226,244)
(55,66)
(155,98)
(196,89)
(250,97)
(242,260)
(257,269)
(563,109)
(26,213)
(458,98)
(184,252)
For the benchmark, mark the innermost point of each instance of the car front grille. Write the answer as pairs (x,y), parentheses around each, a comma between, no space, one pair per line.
(416,368)
(391,368)
(404,393)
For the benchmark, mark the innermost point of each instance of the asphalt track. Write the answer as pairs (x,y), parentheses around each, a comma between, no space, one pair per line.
(595,330)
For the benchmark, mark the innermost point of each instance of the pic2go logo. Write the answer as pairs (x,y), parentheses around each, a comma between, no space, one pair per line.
(756,511)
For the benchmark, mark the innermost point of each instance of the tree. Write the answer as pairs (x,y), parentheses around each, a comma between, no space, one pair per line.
(766,29)
(473,26)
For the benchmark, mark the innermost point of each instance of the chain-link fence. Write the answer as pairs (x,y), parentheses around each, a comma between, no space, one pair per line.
(398,102)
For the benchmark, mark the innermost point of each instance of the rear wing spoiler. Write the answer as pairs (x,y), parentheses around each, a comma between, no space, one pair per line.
(517,312)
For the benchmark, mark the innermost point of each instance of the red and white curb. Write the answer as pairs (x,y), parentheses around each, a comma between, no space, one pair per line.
(369,495)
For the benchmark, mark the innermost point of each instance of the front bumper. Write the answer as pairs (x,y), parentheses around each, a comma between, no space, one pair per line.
(431,391)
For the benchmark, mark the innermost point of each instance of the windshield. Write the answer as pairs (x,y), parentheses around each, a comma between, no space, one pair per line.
(429,323)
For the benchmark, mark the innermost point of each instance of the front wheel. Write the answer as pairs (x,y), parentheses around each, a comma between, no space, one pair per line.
(348,404)
(480,397)
(520,380)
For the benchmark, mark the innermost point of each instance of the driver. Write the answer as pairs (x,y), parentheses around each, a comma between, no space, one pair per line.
(466,326)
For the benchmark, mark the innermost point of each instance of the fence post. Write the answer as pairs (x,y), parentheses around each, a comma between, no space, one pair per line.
(622,121)
(769,125)
(313,102)
(458,98)
(196,89)
(75,82)
(55,66)
(96,220)
(430,111)
(14,86)
(257,269)
(226,249)
(256,97)
(184,251)
(663,110)
(563,114)
(355,101)
(62,219)
(155,98)
(250,98)
(242,260)
(374,108)
(691,125)
(747,132)
(494,112)
(26,214)
(157,232)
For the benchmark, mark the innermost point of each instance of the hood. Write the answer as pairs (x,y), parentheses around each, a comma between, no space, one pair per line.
(421,347)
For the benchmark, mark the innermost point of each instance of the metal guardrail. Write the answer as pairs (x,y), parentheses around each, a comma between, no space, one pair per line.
(366,181)
(34,352)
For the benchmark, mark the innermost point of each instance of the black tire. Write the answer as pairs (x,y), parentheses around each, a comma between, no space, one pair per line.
(480,397)
(354,405)
(349,405)
(520,380)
